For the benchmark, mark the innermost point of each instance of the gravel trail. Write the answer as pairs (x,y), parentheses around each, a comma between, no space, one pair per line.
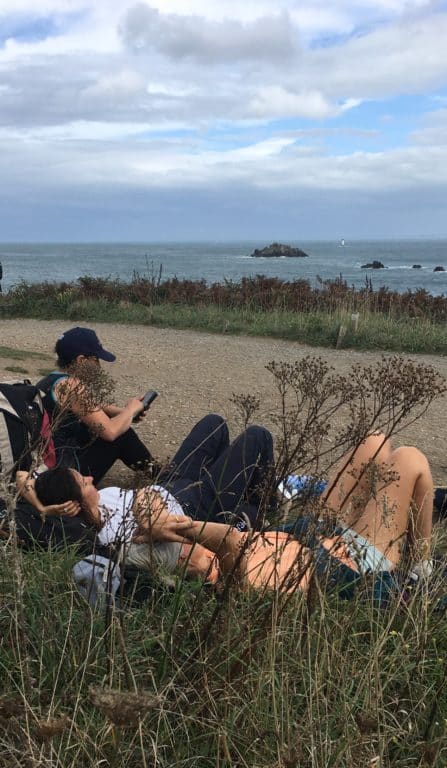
(196,373)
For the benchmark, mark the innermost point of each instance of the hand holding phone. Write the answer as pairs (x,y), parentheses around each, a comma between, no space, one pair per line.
(149,398)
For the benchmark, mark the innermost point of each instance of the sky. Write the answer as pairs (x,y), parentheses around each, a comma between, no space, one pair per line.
(222,119)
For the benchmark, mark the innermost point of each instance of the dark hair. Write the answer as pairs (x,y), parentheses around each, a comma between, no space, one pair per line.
(61,363)
(55,486)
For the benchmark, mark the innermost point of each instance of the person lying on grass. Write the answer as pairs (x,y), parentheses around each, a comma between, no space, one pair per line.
(380,497)
(148,525)
(206,476)
(375,527)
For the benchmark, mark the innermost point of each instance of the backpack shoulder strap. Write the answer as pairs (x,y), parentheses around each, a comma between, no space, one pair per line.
(46,385)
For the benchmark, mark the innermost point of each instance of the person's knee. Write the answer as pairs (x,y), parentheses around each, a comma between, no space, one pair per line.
(409,458)
(213,423)
(375,447)
(214,419)
(259,436)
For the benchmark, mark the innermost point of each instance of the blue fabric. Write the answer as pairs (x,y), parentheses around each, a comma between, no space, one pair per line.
(441,501)
(210,477)
(332,574)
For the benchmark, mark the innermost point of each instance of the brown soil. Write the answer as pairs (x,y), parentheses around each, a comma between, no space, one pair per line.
(196,373)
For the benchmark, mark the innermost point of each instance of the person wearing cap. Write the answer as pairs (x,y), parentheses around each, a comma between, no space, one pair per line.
(89,438)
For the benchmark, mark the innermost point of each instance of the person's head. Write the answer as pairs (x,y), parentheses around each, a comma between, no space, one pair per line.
(56,486)
(80,343)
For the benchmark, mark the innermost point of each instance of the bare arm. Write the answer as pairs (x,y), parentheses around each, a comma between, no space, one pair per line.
(155,523)
(25,489)
(226,542)
(109,427)
(112,410)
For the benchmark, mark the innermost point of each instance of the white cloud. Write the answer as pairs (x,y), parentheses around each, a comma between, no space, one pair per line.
(274,164)
(116,85)
(275,101)
(433,132)
(83,131)
(82,109)
(8,8)
(202,70)
(403,57)
(178,36)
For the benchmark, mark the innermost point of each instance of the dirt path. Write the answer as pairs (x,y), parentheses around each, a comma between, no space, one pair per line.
(196,373)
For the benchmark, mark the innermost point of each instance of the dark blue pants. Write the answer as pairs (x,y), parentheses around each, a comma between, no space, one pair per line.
(218,481)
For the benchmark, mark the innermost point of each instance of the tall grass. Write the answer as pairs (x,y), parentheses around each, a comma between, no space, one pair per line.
(410,322)
(315,328)
(193,677)
(322,683)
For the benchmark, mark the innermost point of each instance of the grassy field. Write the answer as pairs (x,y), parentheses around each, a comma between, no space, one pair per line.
(204,678)
(193,679)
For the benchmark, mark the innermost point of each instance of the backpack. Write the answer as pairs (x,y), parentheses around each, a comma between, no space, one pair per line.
(98,580)
(104,581)
(22,427)
(52,532)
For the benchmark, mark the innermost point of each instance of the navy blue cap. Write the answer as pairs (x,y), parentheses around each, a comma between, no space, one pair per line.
(81,341)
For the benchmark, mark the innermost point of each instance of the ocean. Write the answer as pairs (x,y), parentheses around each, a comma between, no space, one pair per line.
(216,262)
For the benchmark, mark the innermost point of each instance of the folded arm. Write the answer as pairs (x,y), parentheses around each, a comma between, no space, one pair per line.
(155,522)
(108,422)
(25,489)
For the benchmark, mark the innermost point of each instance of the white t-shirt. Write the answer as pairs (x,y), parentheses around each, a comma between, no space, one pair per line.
(115,507)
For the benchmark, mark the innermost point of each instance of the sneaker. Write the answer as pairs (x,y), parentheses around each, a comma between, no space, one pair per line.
(294,486)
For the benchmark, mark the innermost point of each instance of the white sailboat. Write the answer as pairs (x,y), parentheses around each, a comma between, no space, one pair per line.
(342,242)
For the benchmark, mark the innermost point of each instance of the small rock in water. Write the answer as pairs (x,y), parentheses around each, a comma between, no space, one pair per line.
(416,266)
(373,265)
(439,269)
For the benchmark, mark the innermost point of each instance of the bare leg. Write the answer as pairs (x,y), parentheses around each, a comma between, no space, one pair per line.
(419,519)
(355,478)
(389,500)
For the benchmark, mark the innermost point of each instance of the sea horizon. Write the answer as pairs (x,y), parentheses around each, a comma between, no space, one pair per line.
(254,239)
(219,260)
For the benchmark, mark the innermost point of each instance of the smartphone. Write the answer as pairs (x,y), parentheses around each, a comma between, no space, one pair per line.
(149,398)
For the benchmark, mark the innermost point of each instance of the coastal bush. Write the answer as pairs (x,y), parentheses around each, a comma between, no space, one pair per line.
(259,293)
(194,677)
(409,322)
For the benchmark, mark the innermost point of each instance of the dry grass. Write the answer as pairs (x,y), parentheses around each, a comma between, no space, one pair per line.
(198,678)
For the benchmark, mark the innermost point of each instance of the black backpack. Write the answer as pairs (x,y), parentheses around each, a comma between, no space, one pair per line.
(21,422)
(56,533)
(53,532)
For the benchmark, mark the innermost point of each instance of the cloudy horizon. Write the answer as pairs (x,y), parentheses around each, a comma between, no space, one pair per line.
(138,121)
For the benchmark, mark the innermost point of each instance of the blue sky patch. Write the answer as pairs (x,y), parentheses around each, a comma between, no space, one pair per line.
(28,29)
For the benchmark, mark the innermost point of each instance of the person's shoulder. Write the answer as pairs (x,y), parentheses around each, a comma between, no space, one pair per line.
(112,494)
(67,386)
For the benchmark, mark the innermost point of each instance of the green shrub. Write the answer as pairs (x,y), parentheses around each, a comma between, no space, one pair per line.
(410,322)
